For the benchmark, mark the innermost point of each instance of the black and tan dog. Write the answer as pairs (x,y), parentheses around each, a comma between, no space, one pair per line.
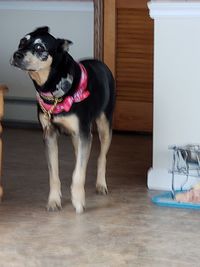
(71,96)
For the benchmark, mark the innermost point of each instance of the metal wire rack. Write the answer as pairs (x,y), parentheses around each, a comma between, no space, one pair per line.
(186,161)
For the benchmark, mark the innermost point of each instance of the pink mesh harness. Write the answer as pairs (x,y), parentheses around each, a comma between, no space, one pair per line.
(80,94)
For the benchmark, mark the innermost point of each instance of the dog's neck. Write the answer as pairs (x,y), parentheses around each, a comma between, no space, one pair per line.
(51,79)
(40,77)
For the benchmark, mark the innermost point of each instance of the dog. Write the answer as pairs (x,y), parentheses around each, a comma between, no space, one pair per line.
(71,96)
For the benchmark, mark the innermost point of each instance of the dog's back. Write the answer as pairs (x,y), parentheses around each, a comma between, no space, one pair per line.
(101,86)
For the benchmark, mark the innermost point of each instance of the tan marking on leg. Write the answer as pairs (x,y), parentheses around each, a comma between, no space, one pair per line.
(75,138)
(105,136)
(78,178)
(82,151)
(43,120)
(70,123)
(54,200)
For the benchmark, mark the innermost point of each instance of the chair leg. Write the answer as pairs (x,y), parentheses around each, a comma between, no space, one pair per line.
(1,188)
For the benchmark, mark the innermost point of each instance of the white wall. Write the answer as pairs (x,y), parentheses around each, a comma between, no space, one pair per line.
(71,20)
(176,87)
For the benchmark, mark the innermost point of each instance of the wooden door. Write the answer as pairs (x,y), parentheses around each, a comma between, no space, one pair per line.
(128,51)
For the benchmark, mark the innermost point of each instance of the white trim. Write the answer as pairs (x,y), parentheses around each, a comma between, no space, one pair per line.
(175,9)
(47,5)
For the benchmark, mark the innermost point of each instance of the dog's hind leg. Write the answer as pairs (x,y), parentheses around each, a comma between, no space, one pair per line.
(82,150)
(105,136)
(51,147)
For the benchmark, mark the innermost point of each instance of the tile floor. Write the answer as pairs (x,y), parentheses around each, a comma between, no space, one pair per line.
(121,229)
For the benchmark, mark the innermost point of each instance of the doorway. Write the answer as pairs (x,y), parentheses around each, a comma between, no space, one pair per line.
(123,34)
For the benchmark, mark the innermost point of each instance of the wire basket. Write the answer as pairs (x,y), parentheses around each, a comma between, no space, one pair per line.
(186,161)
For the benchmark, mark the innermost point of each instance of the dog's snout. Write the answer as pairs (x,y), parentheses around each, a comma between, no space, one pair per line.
(18,55)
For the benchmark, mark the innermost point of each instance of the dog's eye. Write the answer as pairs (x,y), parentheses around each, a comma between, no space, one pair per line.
(39,48)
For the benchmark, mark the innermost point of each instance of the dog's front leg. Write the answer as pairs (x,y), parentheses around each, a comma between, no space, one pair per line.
(82,151)
(51,149)
(54,201)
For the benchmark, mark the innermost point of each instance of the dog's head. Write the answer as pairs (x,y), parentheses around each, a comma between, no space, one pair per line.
(37,50)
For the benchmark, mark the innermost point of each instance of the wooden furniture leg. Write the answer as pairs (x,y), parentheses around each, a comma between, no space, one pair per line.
(3,89)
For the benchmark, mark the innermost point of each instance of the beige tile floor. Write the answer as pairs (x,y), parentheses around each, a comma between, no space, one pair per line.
(121,229)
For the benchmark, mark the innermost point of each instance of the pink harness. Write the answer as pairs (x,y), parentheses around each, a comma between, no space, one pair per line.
(80,94)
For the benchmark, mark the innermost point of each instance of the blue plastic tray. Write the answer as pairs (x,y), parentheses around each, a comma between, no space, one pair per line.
(165,199)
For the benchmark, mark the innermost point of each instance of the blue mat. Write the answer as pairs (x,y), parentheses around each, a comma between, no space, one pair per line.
(166,199)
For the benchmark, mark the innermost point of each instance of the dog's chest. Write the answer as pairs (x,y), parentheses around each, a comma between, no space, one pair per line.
(69,123)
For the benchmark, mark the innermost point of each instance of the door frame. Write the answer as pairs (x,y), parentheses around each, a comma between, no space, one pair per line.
(98,29)
(105,30)
(104,35)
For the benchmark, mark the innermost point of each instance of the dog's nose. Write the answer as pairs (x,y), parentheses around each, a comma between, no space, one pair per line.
(18,55)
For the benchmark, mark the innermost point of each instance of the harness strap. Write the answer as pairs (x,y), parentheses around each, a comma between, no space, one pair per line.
(59,106)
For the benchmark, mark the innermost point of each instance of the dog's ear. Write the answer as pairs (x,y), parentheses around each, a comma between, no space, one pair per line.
(41,30)
(63,45)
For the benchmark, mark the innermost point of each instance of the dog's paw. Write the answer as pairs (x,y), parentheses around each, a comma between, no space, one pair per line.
(79,205)
(78,199)
(53,206)
(79,208)
(101,189)
(54,202)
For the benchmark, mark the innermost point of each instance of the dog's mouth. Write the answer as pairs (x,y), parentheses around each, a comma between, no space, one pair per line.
(28,62)
(18,60)
(17,63)
(20,64)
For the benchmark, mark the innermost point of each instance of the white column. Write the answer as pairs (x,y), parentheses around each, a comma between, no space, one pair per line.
(176,84)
